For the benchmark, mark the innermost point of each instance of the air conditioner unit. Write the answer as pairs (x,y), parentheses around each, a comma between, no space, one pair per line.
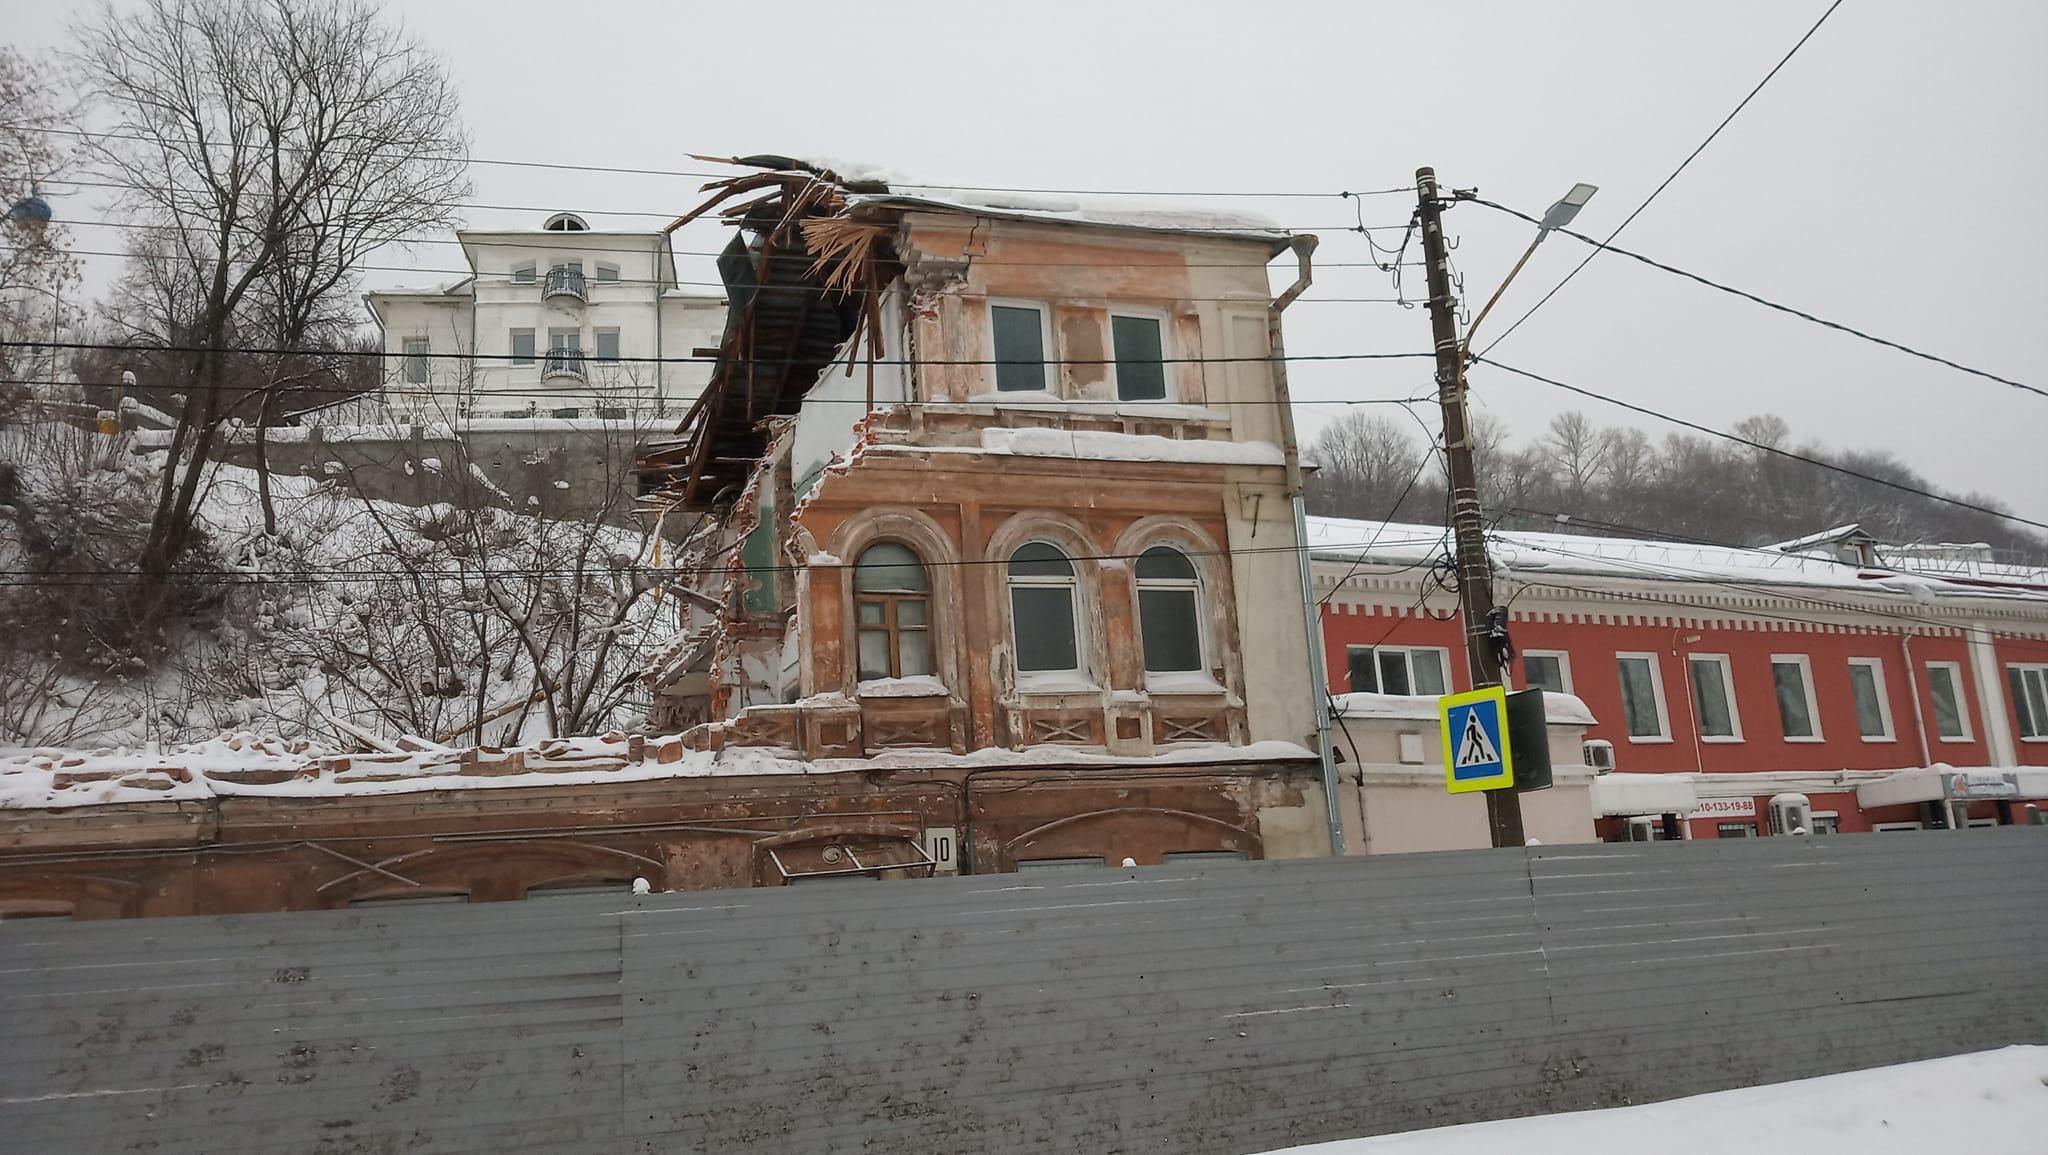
(1600,755)
(1642,829)
(1791,814)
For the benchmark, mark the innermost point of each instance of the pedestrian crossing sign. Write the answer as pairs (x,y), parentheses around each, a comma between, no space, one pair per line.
(1475,734)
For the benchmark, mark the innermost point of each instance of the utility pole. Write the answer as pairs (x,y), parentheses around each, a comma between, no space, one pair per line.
(1475,571)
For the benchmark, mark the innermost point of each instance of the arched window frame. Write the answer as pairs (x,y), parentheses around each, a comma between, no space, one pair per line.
(940,555)
(891,608)
(1199,610)
(1070,583)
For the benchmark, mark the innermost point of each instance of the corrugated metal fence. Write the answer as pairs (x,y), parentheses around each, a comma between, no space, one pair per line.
(1227,1008)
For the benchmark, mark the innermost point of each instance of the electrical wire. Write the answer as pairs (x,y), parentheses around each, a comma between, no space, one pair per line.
(620,170)
(263,351)
(1654,193)
(1770,304)
(1771,449)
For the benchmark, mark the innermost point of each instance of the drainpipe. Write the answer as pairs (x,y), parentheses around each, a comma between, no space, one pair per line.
(1913,688)
(1312,631)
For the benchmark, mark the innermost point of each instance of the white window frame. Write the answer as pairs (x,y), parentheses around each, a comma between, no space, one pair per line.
(606,274)
(1050,681)
(1203,654)
(2040,670)
(512,345)
(568,338)
(1047,352)
(1656,690)
(1805,664)
(1955,683)
(1165,322)
(1443,657)
(1564,667)
(1834,816)
(1884,701)
(1727,690)
(423,359)
(526,273)
(597,342)
(575,263)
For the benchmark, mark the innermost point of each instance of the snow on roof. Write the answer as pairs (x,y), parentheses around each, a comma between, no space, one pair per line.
(246,765)
(1123,212)
(1558,709)
(1102,445)
(1527,554)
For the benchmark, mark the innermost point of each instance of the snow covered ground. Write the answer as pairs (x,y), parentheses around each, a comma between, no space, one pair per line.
(1989,1103)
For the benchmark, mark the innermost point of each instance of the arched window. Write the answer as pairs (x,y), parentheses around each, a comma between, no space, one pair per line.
(1044,610)
(1169,611)
(892,613)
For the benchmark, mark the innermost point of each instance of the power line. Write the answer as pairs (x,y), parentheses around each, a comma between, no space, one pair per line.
(1690,157)
(772,257)
(620,170)
(249,351)
(1105,407)
(1769,304)
(1757,445)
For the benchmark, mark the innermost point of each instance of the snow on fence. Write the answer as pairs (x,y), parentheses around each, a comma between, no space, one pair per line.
(1217,1008)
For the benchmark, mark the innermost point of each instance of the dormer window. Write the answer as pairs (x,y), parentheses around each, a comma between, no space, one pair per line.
(566,223)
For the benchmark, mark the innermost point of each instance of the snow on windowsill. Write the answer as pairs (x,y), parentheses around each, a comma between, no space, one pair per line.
(1094,445)
(916,686)
(1031,684)
(1184,682)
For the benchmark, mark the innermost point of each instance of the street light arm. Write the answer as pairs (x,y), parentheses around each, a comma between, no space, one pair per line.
(1465,349)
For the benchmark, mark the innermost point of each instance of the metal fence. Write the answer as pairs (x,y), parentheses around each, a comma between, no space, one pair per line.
(1221,1008)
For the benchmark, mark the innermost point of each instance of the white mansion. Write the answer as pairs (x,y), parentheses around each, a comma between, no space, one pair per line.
(559,320)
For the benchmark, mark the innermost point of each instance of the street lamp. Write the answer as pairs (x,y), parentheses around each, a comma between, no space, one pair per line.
(1559,216)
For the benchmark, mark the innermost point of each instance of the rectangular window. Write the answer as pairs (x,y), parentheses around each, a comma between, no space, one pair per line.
(522,346)
(416,360)
(1139,346)
(607,344)
(1713,697)
(523,274)
(1735,830)
(1547,670)
(560,339)
(1797,713)
(1406,670)
(1642,698)
(1873,711)
(1945,686)
(1164,618)
(607,274)
(2029,686)
(1019,346)
(1826,823)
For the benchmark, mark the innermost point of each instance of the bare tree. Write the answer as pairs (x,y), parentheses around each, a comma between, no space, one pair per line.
(1370,465)
(1577,450)
(270,143)
(37,270)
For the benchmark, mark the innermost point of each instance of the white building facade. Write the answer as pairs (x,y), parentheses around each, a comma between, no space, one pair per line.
(561,320)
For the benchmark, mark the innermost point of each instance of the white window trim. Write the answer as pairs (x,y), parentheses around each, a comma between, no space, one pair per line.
(1955,682)
(1564,666)
(1805,665)
(1047,353)
(1884,701)
(526,273)
(600,331)
(1204,655)
(1656,691)
(598,277)
(1727,691)
(1165,351)
(1072,680)
(1443,656)
(2023,668)
(511,333)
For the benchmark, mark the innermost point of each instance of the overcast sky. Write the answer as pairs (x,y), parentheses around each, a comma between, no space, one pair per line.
(1891,177)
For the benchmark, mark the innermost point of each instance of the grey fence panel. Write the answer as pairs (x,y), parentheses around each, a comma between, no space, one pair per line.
(1223,1008)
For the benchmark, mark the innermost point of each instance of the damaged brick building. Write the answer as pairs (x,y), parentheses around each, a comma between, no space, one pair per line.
(989,564)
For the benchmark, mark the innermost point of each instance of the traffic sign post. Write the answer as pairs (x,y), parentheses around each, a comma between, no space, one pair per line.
(1477,754)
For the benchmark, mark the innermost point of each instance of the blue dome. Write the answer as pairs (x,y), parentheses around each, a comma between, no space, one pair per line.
(30,208)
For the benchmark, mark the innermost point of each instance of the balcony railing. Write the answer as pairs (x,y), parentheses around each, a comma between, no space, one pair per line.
(562,363)
(565,281)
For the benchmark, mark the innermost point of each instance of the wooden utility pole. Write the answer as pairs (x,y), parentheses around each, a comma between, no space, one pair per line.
(1475,571)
